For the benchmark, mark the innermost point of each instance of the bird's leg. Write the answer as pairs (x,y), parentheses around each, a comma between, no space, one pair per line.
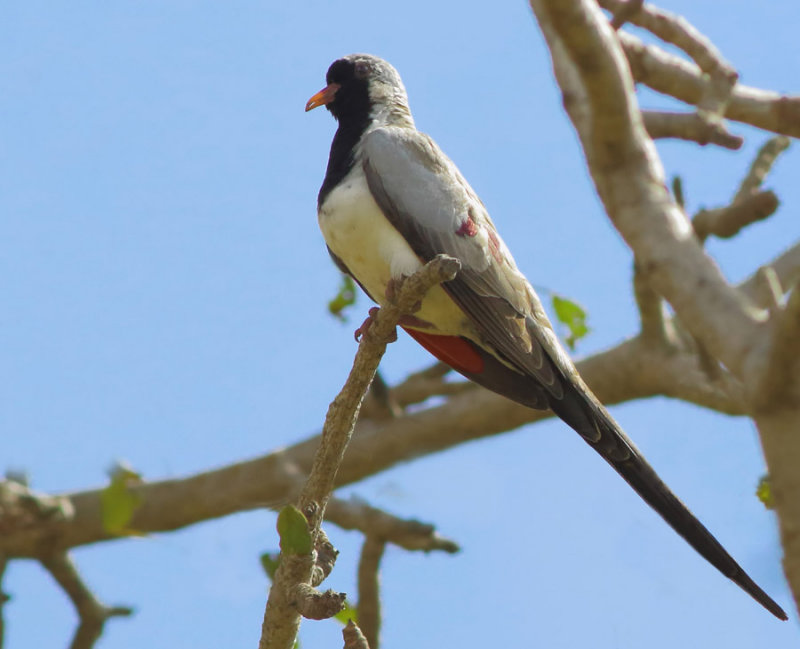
(393,288)
(364,328)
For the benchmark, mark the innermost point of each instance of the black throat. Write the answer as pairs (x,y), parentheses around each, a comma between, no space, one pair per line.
(352,109)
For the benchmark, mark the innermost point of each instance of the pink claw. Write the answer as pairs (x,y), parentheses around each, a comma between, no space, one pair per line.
(364,328)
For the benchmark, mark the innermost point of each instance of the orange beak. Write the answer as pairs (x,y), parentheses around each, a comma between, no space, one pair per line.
(324,96)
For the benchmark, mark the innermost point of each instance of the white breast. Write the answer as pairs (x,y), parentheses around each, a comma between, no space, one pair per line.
(359,234)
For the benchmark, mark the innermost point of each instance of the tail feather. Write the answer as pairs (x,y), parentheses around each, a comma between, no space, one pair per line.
(599,429)
(578,408)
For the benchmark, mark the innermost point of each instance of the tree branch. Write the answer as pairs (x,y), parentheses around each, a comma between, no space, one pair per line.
(408,534)
(726,222)
(369,601)
(353,638)
(761,166)
(622,373)
(691,127)
(93,615)
(599,97)
(779,380)
(683,80)
(291,594)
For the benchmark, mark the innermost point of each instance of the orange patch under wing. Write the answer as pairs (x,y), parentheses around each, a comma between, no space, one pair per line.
(458,353)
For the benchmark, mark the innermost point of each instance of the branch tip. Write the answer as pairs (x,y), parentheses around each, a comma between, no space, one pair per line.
(353,638)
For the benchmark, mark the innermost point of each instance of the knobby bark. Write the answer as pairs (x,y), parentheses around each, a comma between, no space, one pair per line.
(758,346)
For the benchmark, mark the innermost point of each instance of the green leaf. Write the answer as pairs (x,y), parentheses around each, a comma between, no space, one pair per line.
(270,562)
(573,317)
(348,613)
(344,298)
(294,532)
(118,503)
(764,492)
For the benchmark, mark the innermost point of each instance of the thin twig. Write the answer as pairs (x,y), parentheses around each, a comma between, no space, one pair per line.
(726,222)
(691,127)
(380,401)
(408,534)
(91,612)
(761,166)
(675,29)
(369,602)
(289,593)
(748,204)
(353,638)
(685,81)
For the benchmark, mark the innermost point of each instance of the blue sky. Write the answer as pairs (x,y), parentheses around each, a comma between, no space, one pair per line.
(164,286)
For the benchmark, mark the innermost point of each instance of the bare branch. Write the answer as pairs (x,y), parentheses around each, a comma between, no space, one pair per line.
(93,615)
(772,288)
(417,388)
(313,604)
(691,127)
(325,558)
(726,222)
(761,166)
(291,594)
(624,12)
(675,29)
(626,372)
(683,80)
(353,638)
(748,205)
(405,533)
(787,270)
(380,403)
(652,316)
(677,192)
(599,97)
(779,374)
(369,602)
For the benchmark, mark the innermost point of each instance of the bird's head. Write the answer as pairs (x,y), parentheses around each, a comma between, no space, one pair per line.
(364,88)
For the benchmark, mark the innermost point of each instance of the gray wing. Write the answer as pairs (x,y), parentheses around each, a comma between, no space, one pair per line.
(432,206)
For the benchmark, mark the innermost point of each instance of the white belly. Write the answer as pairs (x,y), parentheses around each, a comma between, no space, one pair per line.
(360,235)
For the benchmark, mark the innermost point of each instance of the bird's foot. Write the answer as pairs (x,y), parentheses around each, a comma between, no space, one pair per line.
(393,287)
(364,328)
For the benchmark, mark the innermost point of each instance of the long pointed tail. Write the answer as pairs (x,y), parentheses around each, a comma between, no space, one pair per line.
(601,432)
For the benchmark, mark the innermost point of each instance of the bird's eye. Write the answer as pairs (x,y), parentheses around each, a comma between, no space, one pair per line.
(362,69)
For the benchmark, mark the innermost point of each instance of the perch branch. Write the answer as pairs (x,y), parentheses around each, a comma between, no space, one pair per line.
(291,594)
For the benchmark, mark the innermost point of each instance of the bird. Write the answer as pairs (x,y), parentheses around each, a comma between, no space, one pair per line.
(390,202)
